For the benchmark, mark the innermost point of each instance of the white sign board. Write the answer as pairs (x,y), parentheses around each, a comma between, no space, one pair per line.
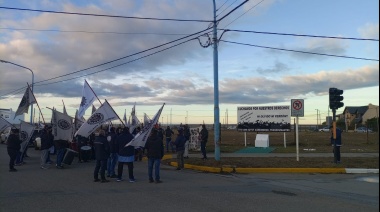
(297,107)
(264,118)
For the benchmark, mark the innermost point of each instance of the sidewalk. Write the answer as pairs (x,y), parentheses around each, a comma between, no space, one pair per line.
(231,169)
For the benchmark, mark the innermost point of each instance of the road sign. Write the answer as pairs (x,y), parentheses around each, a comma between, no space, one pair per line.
(297,107)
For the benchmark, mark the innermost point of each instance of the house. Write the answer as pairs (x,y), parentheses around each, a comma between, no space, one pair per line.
(358,115)
(9,114)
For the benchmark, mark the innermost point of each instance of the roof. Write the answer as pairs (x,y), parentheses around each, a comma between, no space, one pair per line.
(357,110)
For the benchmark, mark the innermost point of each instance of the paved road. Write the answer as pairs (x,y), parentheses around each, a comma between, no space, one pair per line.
(72,189)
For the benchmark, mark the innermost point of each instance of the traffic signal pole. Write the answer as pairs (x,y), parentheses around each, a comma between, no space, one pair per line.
(335,102)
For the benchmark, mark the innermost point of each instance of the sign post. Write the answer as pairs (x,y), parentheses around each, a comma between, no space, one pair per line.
(297,111)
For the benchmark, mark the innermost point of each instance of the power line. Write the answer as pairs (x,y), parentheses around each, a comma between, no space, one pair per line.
(299,35)
(102,15)
(245,12)
(226,7)
(90,32)
(330,55)
(123,57)
(229,13)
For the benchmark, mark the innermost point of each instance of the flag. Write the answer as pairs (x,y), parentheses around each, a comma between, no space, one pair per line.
(64,108)
(147,120)
(93,109)
(104,113)
(129,122)
(125,118)
(135,121)
(4,124)
(26,100)
(26,132)
(88,97)
(62,126)
(141,138)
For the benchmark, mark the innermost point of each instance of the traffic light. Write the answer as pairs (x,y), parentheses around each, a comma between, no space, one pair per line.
(336,98)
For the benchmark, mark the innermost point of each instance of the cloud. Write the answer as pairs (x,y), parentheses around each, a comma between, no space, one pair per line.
(278,68)
(369,31)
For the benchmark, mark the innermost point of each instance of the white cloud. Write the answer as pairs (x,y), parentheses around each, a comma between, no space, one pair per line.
(369,31)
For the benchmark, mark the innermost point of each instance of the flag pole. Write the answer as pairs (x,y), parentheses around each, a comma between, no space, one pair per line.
(37,104)
(93,92)
(116,114)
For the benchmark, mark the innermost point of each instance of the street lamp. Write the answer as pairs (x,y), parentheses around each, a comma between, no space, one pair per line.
(317,116)
(31,107)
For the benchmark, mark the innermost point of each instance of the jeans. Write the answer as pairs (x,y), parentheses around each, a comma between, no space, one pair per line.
(12,157)
(156,163)
(186,153)
(60,155)
(44,156)
(337,153)
(203,149)
(111,163)
(169,143)
(120,170)
(102,165)
(180,159)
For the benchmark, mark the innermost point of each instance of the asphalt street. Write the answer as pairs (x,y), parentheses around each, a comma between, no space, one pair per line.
(73,189)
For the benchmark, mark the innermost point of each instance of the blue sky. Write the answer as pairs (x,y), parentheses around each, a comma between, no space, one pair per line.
(182,76)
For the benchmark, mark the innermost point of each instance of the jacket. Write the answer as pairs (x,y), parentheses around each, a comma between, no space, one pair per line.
(47,140)
(155,147)
(114,147)
(14,142)
(122,140)
(204,135)
(180,143)
(102,149)
(60,144)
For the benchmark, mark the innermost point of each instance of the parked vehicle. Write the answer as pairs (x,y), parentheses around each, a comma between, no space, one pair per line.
(363,130)
(325,129)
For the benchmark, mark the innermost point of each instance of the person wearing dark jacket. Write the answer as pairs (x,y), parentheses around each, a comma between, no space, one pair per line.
(168,135)
(13,147)
(126,155)
(47,140)
(204,138)
(180,148)
(102,152)
(114,149)
(186,133)
(155,152)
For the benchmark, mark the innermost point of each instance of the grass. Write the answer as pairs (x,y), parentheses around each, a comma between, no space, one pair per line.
(319,142)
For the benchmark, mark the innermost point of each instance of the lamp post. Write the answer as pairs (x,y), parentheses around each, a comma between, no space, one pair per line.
(317,116)
(31,107)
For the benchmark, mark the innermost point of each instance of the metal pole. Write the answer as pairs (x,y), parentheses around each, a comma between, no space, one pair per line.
(216,91)
(31,107)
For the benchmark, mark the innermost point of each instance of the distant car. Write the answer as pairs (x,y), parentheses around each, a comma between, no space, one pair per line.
(362,130)
(325,129)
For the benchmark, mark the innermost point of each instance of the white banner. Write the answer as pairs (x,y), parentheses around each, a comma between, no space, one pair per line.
(264,118)
(26,100)
(26,132)
(62,126)
(4,124)
(135,121)
(88,97)
(104,113)
(141,138)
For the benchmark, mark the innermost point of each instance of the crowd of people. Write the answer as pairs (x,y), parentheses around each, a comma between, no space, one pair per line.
(110,150)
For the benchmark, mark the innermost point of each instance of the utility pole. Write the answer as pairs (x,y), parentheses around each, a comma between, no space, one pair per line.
(216,90)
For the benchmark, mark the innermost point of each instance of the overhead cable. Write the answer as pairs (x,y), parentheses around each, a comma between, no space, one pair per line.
(322,54)
(102,15)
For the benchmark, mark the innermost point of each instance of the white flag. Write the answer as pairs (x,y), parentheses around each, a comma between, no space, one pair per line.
(64,108)
(4,124)
(26,132)
(62,126)
(93,109)
(141,138)
(125,118)
(26,100)
(147,120)
(135,121)
(88,97)
(104,113)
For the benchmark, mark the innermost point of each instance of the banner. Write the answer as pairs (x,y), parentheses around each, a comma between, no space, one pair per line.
(62,126)
(4,124)
(26,132)
(264,118)
(147,120)
(104,113)
(26,101)
(88,97)
(93,109)
(135,121)
(141,138)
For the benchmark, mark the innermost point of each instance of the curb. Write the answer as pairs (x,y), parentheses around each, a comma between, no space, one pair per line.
(232,169)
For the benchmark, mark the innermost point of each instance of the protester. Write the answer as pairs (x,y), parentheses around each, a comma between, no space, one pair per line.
(60,146)
(102,152)
(180,148)
(168,135)
(126,155)
(83,149)
(155,152)
(186,133)
(337,144)
(204,137)
(114,148)
(13,148)
(47,140)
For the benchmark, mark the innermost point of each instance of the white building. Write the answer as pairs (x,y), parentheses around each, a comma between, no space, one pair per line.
(8,114)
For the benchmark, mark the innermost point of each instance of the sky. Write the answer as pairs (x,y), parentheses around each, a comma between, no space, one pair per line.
(124,59)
